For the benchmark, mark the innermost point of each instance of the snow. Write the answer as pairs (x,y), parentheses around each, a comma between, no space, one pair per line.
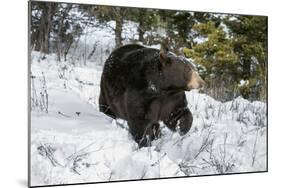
(75,143)
(243,83)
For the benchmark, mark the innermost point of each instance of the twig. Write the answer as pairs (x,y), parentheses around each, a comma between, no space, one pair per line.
(254,153)
(64,115)
(69,157)
(158,161)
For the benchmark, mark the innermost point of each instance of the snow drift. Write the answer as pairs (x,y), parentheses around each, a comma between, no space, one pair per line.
(72,142)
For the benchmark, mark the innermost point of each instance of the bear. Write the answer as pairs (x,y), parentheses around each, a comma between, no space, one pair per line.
(144,86)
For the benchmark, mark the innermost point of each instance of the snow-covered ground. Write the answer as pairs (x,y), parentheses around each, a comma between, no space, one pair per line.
(75,143)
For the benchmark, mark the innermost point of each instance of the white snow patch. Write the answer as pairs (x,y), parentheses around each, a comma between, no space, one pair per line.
(75,143)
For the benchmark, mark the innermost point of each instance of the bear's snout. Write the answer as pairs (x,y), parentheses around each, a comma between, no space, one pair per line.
(196,82)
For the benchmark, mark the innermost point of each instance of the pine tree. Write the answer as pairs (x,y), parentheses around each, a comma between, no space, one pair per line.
(250,44)
(233,52)
(216,60)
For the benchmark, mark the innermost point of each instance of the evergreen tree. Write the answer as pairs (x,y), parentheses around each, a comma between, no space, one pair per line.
(215,56)
(250,44)
(232,55)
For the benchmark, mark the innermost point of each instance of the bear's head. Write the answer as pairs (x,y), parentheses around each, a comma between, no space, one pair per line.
(178,72)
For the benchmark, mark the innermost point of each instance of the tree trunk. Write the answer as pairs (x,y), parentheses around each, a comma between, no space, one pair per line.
(118,32)
(118,15)
(45,29)
(141,31)
(246,68)
(93,51)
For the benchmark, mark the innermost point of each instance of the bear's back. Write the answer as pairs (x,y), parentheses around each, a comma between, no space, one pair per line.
(125,67)
(113,65)
(123,50)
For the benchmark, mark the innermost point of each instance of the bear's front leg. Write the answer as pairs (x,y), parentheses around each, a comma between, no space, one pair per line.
(143,124)
(144,132)
(182,117)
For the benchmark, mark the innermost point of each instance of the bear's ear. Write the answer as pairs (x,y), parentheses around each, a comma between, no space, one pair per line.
(163,56)
(164,51)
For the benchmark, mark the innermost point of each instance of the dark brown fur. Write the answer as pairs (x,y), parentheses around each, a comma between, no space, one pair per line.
(145,86)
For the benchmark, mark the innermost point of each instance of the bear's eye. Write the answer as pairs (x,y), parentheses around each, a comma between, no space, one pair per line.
(171,56)
(169,59)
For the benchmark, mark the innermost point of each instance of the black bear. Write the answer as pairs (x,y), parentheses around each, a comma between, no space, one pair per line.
(146,85)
